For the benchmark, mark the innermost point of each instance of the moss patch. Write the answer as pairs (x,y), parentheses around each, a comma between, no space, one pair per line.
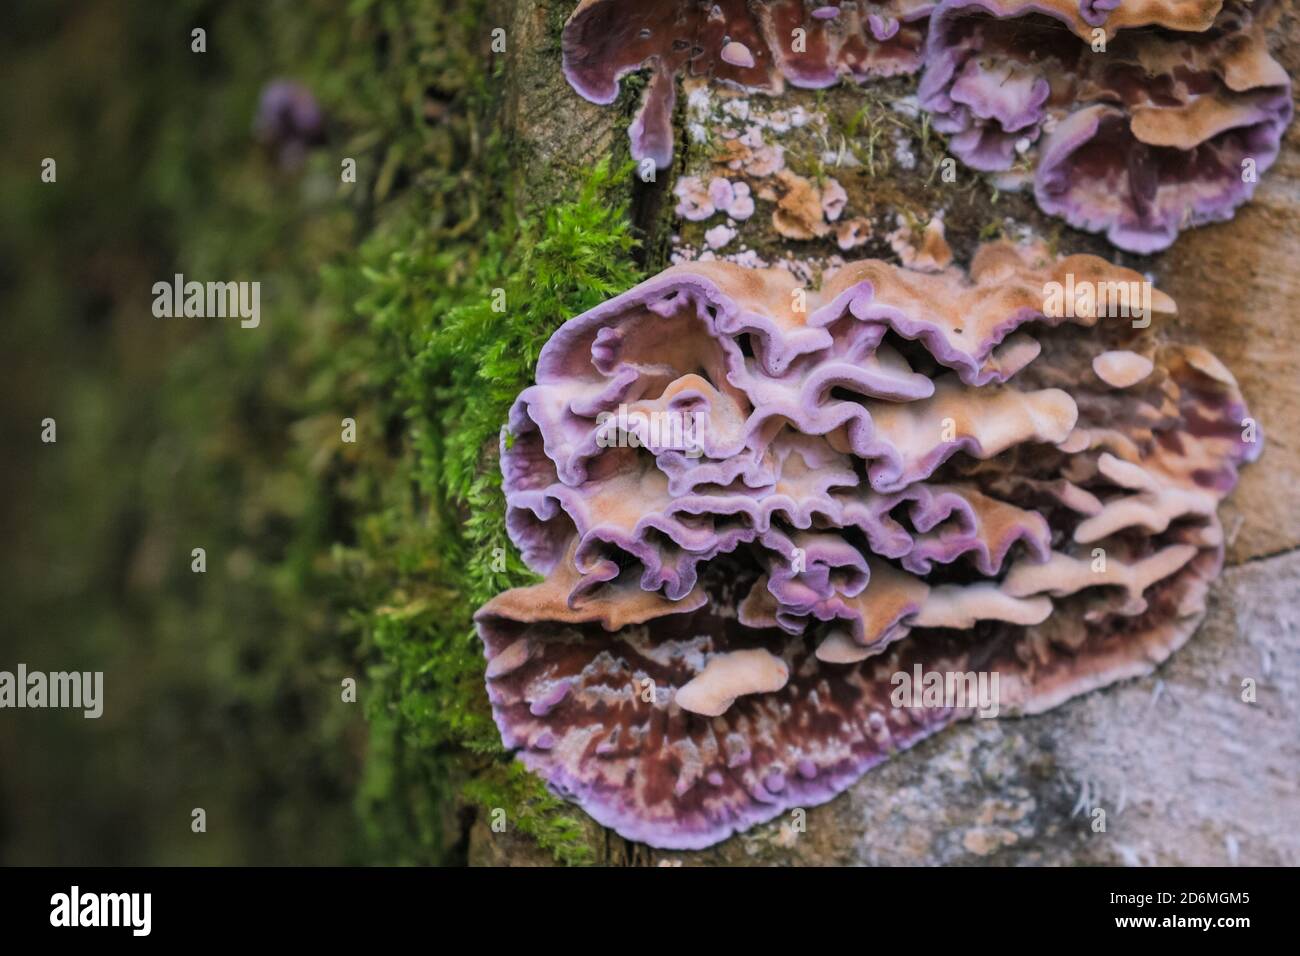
(454,292)
(456,350)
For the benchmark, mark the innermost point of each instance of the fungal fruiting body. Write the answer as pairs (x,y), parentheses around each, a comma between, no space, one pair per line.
(1132,118)
(756,506)
(289,121)
(744,45)
(1136,133)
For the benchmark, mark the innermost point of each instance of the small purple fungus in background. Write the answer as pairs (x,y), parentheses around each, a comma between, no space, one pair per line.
(289,121)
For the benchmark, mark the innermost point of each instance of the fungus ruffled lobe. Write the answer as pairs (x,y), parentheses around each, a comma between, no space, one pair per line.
(744,45)
(916,471)
(1168,127)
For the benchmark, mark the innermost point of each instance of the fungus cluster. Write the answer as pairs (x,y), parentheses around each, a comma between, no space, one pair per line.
(1133,118)
(1134,133)
(754,505)
(751,46)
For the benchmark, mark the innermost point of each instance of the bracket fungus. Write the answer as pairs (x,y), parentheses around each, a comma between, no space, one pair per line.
(1137,133)
(750,46)
(930,473)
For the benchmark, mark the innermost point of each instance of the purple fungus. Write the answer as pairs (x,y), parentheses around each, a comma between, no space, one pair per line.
(289,121)
(1134,133)
(752,518)
(755,47)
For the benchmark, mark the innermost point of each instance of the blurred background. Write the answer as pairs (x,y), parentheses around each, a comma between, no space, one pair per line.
(222,689)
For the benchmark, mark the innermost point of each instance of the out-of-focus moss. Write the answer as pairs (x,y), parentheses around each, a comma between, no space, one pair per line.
(223,688)
(325,559)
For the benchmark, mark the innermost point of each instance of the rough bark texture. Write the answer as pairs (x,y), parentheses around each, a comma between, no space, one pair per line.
(1184,770)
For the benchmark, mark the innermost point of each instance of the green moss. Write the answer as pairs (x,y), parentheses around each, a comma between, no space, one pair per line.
(454,364)
(452,296)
